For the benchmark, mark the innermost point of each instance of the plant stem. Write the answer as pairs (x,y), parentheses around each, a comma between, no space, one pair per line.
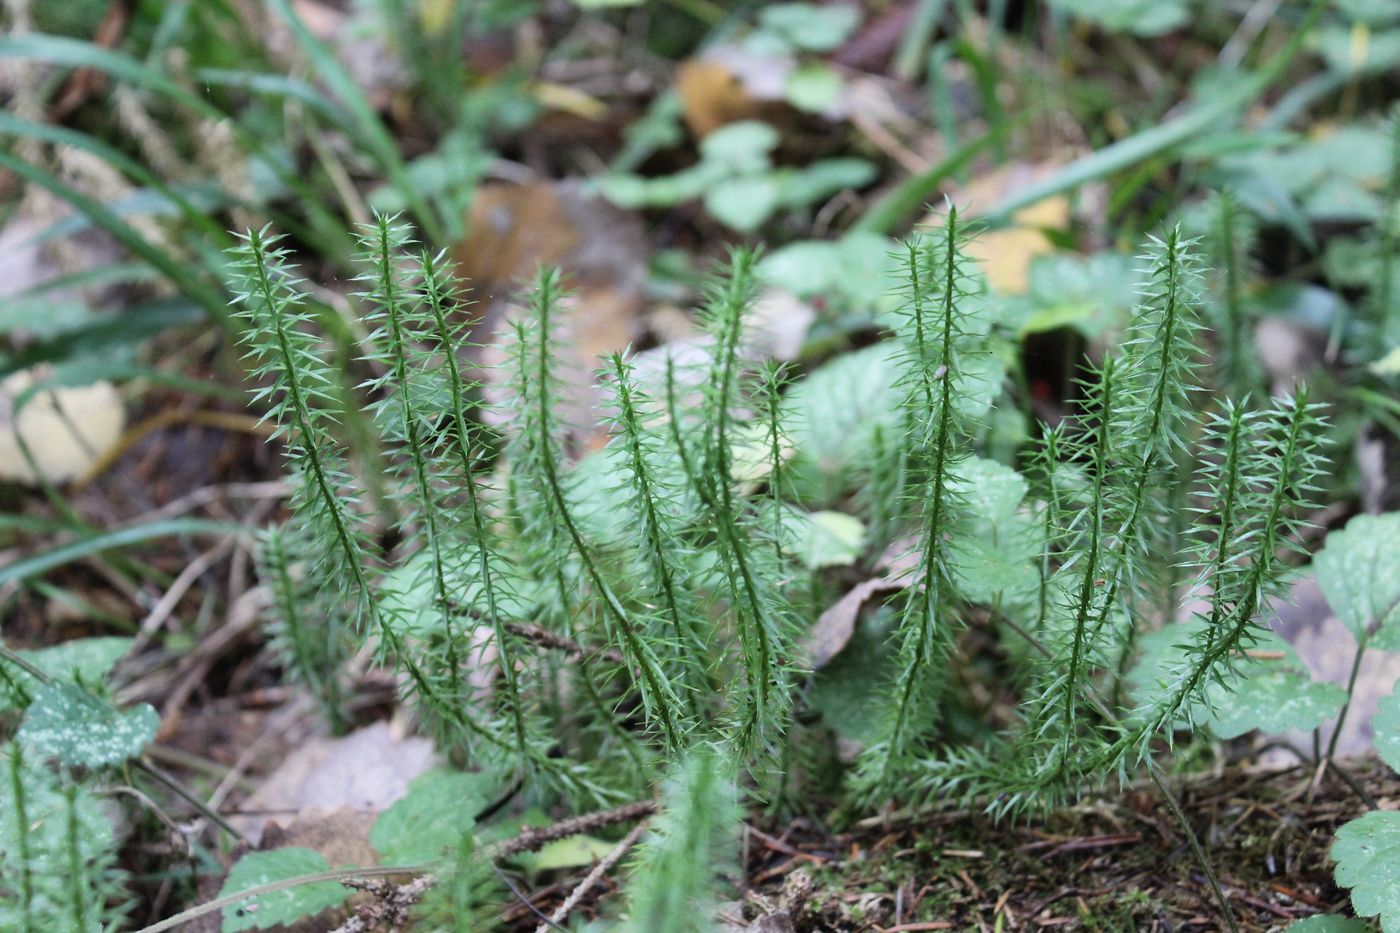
(1195,843)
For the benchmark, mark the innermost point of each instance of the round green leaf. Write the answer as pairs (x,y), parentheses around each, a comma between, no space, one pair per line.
(824,178)
(742,146)
(69,723)
(1367,853)
(1358,570)
(429,823)
(829,539)
(1273,702)
(1385,726)
(1273,694)
(813,87)
(991,490)
(809,26)
(82,660)
(286,906)
(743,203)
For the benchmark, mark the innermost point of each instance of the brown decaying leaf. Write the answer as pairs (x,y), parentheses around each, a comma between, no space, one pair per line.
(727,86)
(599,248)
(1305,621)
(365,771)
(836,625)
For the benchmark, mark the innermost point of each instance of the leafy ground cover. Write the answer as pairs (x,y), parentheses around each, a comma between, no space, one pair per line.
(1002,424)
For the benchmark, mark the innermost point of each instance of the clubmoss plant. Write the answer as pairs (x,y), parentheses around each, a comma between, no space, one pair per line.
(593,625)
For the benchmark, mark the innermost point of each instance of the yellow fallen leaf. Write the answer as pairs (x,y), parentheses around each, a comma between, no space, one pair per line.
(1006,255)
(66,429)
(569,100)
(1388,365)
(435,16)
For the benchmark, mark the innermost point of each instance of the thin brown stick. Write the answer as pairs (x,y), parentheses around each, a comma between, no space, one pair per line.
(531,840)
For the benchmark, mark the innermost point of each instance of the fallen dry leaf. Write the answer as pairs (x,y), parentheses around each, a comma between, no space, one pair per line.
(341,835)
(1005,255)
(66,429)
(599,248)
(365,771)
(728,85)
(778,324)
(1328,648)
(836,625)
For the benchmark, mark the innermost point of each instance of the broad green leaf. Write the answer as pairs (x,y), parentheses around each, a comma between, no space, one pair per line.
(809,26)
(743,203)
(847,273)
(834,413)
(287,905)
(822,179)
(68,723)
(1273,702)
(1367,853)
(850,691)
(1373,12)
(1355,152)
(1385,727)
(805,268)
(573,852)
(1358,570)
(1137,17)
(992,491)
(60,815)
(1339,46)
(1328,923)
(752,454)
(740,147)
(408,591)
(979,378)
(986,570)
(1094,295)
(814,87)
(1273,692)
(625,190)
(827,539)
(432,820)
(82,660)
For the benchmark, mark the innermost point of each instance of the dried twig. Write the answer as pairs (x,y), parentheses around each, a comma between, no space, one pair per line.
(531,840)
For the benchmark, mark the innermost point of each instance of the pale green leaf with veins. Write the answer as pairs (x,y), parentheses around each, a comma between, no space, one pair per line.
(288,905)
(84,660)
(991,491)
(69,723)
(1358,570)
(1272,694)
(1272,702)
(985,570)
(1367,853)
(827,539)
(432,820)
(1385,727)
